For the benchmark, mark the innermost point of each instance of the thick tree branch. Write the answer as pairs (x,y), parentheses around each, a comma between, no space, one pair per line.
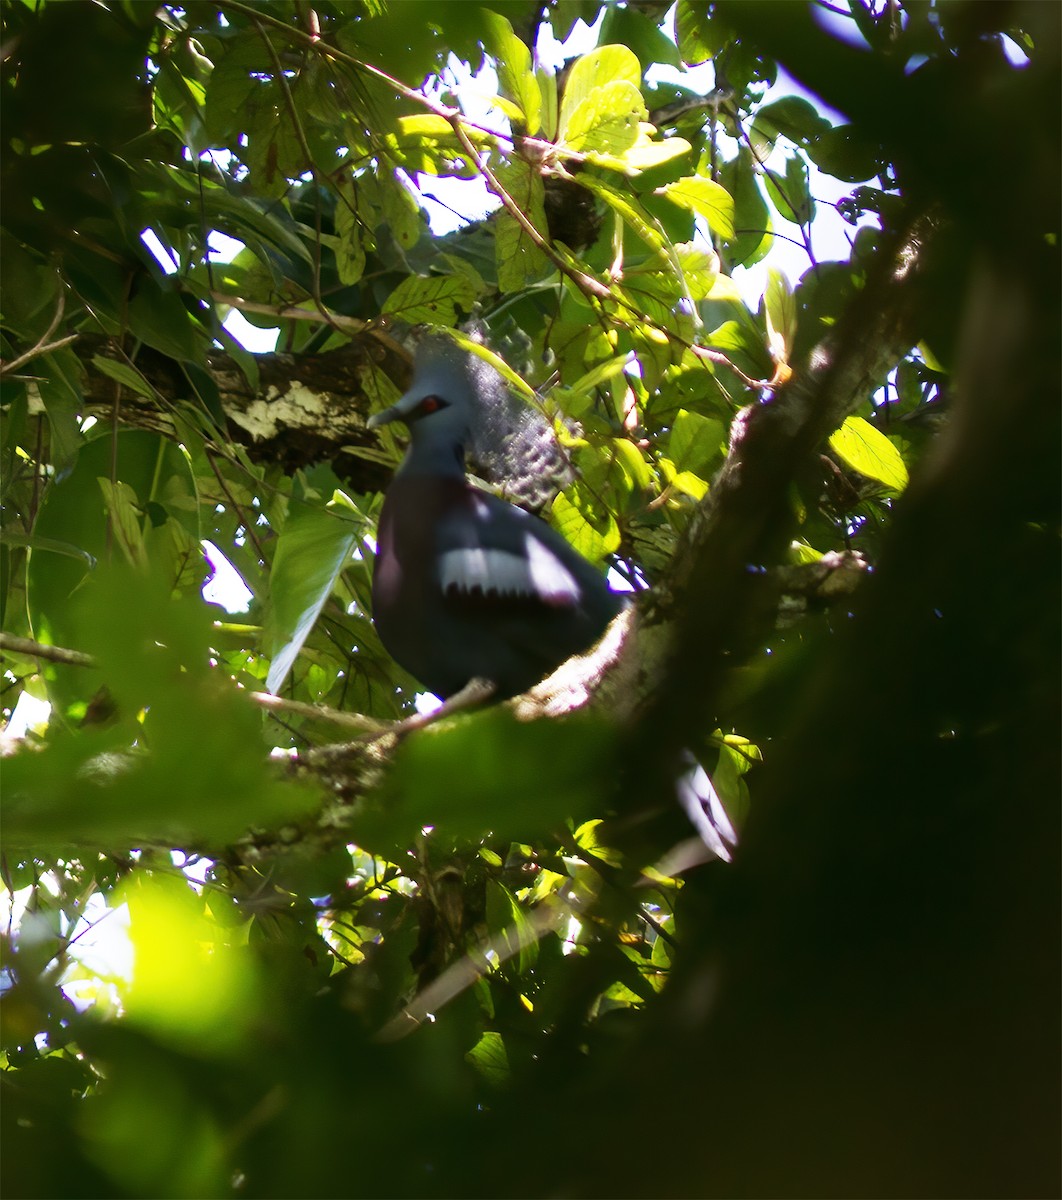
(306,408)
(712,592)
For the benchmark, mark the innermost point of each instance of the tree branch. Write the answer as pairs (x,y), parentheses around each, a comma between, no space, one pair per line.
(55,654)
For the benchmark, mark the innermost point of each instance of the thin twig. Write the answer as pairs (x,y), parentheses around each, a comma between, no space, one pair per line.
(56,654)
(247,524)
(319,712)
(36,352)
(288,312)
(43,346)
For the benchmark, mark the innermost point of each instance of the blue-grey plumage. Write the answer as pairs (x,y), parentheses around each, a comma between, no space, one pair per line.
(466,585)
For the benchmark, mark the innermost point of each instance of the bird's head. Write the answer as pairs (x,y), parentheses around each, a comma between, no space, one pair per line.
(440,406)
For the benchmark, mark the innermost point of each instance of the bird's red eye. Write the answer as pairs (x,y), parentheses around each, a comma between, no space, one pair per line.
(431,404)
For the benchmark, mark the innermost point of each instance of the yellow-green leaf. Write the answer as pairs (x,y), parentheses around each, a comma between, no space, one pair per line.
(627,208)
(707,199)
(547,84)
(644,155)
(592,532)
(424,125)
(606,121)
(868,451)
(605,65)
(699,267)
(690,485)
(430,298)
(401,210)
(632,462)
(599,374)
(349,251)
(514,380)
(780,310)
(518,81)
(489,1058)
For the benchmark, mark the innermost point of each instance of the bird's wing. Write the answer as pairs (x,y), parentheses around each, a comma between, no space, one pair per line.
(487,547)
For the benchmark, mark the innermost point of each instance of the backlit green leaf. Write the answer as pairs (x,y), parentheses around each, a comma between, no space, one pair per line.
(606,122)
(705,198)
(433,299)
(868,451)
(519,259)
(518,81)
(601,67)
(593,532)
(780,312)
(489,1058)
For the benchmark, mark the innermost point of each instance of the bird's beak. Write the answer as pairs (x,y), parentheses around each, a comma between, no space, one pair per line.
(398,411)
(384,417)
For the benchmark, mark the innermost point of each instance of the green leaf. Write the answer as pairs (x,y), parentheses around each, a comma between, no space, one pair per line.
(790,194)
(431,299)
(867,450)
(606,122)
(697,34)
(11,537)
(696,441)
(686,272)
(509,927)
(753,230)
(401,210)
(707,199)
(199,772)
(513,59)
(349,251)
(124,374)
(159,480)
(578,516)
(601,67)
(520,261)
(489,1058)
(795,118)
(844,153)
(314,546)
(59,385)
(120,502)
(158,317)
(780,312)
(627,26)
(498,761)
